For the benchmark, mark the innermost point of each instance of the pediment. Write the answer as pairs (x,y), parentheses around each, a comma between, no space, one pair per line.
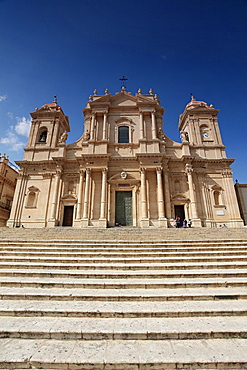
(123,100)
(179,196)
(69,197)
(33,188)
(216,187)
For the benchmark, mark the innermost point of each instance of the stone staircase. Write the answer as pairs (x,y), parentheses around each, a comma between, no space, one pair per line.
(123,298)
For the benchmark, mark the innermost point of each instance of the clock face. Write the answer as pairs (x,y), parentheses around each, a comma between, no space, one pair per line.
(205,135)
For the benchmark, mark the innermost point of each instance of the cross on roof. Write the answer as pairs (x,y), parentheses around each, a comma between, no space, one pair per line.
(123,79)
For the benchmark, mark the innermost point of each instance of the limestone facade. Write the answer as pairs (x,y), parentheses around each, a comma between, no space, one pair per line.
(241,192)
(8,178)
(124,170)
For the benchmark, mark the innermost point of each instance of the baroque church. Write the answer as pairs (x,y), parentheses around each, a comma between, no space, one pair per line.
(124,170)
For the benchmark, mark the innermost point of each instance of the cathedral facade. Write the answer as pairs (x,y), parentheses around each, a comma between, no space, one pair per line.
(124,170)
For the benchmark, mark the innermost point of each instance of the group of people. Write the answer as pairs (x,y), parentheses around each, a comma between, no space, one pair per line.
(179,223)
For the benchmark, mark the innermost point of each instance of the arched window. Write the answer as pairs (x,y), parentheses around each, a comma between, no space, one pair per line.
(123,134)
(43,136)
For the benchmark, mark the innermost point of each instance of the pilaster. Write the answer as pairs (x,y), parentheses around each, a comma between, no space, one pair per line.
(102,220)
(53,217)
(194,215)
(144,222)
(85,218)
(160,198)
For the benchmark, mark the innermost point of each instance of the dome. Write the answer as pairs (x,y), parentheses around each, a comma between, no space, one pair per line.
(52,106)
(195,103)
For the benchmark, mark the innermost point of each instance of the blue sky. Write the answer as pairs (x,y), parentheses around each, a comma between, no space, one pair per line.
(69,48)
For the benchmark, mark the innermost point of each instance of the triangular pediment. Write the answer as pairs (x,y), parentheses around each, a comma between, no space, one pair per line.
(69,197)
(123,100)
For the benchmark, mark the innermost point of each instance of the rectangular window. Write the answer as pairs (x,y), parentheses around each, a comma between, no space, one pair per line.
(123,134)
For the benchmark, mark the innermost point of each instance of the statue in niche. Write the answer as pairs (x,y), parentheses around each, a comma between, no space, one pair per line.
(184,136)
(161,135)
(63,137)
(86,136)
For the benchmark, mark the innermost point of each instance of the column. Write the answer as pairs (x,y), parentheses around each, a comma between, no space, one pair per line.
(167,193)
(141,126)
(86,194)
(92,126)
(55,192)
(143,194)
(154,136)
(103,194)
(189,170)
(79,204)
(104,137)
(160,195)
(232,205)
(18,202)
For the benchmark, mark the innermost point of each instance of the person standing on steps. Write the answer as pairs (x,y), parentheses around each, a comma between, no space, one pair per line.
(177,222)
(189,223)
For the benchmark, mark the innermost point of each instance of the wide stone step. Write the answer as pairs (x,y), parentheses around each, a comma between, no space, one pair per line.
(126,244)
(26,308)
(123,328)
(124,354)
(124,266)
(94,254)
(124,260)
(69,246)
(118,274)
(122,283)
(68,294)
(130,233)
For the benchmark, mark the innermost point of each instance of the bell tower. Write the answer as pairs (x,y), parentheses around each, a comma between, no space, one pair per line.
(48,131)
(199,124)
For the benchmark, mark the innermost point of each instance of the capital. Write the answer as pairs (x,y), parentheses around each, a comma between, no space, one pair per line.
(58,170)
(188,168)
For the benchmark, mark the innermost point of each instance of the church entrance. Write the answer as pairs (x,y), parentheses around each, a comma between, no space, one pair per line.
(68,215)
(179,211)
(124,208)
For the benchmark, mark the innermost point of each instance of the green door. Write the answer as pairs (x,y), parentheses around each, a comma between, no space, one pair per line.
(124,208)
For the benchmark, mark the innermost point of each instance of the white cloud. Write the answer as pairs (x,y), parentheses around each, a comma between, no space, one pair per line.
(10,115)
(3,97)
(23,126)
(12,138)
(12,141)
